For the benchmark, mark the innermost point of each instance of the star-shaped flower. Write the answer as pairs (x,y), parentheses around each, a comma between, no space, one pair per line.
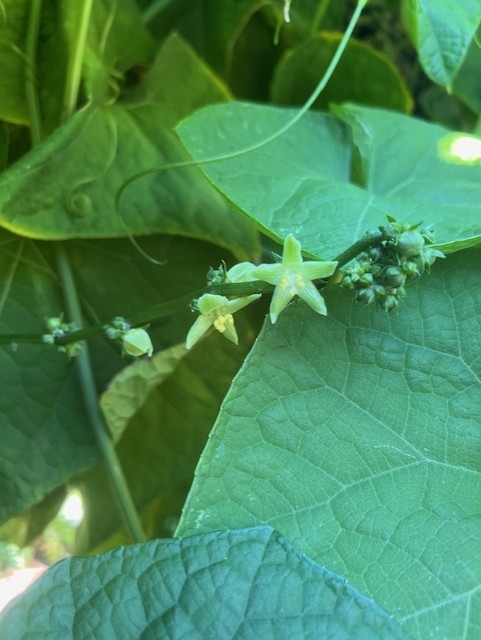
(217,311)
(293,277)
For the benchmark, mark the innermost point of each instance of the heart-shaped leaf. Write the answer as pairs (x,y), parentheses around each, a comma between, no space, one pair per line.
(357,436)
(311,182)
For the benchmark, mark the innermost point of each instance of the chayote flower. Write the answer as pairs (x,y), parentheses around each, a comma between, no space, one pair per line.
(217,311)
(293,277)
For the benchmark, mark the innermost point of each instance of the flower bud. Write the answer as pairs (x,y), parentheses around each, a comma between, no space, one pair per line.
(394,277)
(410,243)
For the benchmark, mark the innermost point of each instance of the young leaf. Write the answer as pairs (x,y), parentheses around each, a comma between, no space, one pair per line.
(357,436)
(442,31)
(233,584)
(363,76)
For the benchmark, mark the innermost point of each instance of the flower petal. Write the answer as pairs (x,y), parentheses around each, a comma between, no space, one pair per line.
(210,302)
(232,306)
(241,272)
(292,257)
(280,299)
(271,273)
(197,330)
(313,270)
(313,298)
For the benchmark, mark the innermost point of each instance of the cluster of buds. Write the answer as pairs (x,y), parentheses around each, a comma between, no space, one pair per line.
(402,254)
(58,329)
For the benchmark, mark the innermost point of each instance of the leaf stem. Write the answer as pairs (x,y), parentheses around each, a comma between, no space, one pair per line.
(89,392)
(181,304)
(31,93)
(74,72)
(358,247)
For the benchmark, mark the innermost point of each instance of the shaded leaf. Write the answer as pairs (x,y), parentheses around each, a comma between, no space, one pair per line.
(165,436)
(235,584)
(66,187)
(13,33)
(129,389)
(357,436)
(46,435)
(40,389)
(363,76)
(313,183)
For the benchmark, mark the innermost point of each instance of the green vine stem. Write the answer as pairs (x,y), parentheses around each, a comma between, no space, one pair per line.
(182,304)
(89,392)
(31,93)
(86,378)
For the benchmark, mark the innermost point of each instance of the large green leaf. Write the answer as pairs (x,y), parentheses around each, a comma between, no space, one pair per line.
(442,31)
(302,184)
(235,584)
(45,432)
(363,75)
(357,436)
(66,187)
(168,419)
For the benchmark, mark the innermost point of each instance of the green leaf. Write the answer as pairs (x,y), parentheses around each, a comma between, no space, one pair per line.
(66,187)
(129,389)
(161,83)
(442,32)
(116,40)
(169,419)
(234,584)
(357,436)
(363,76)
(4,141)
(302,183)
(46,434)
(467,83)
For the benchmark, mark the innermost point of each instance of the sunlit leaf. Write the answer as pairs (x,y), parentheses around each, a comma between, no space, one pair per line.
(357,436)
(328,183)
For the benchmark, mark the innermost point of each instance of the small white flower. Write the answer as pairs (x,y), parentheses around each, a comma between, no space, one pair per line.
(137,342)
(293,277)
(217,311)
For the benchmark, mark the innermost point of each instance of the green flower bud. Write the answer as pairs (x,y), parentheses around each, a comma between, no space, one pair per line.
(394,277)
(366,279)
(389,303)
(410,243)
(365,296)
(375,254)
(136,342)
